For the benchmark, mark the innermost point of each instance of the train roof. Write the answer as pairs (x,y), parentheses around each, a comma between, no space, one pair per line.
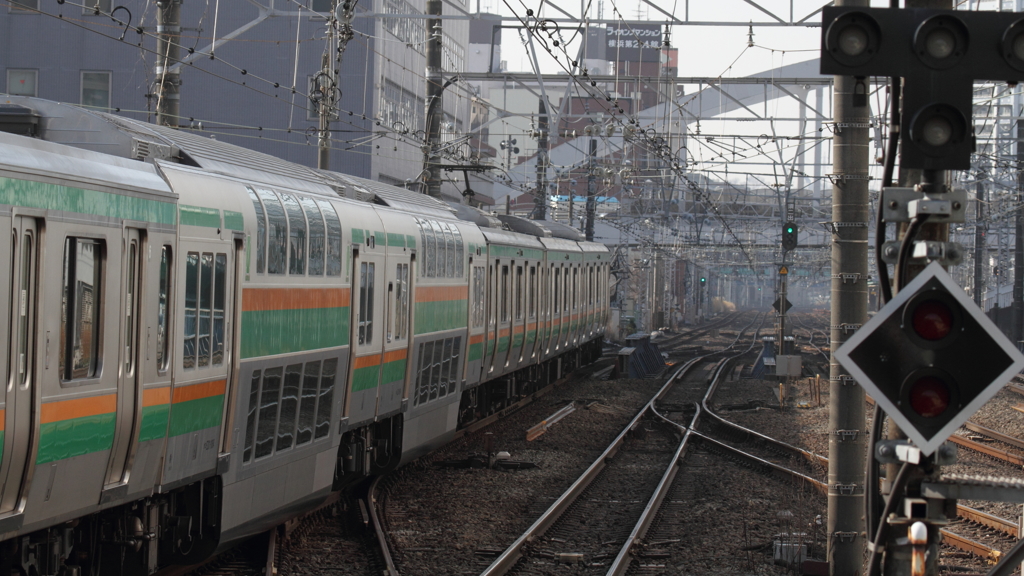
(136,140)
(54,162)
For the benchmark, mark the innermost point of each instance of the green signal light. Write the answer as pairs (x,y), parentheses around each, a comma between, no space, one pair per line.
(702,279)
(789,230)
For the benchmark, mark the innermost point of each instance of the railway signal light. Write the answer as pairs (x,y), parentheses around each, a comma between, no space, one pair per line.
(930,358)
(703,280)
(789,236)
(939,53)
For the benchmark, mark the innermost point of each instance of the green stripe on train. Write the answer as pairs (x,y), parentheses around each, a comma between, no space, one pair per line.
(365,378)
(270,332)
(442,315)
(56,197)
(194,415)
(234,220)
(393,371)
(198,216)
(476,351)
(154,422)
(75,437)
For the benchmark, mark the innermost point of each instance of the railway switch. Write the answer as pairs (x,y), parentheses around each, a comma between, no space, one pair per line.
(930,358)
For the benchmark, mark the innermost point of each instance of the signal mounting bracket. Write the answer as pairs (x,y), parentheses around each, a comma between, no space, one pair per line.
(903,204)
(947,253)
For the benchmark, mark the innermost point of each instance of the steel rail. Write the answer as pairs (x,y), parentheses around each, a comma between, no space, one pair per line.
(620,565)
(1015,442)
(1003,525)
(503,563)
(996,453)
(967,545)
(378,528)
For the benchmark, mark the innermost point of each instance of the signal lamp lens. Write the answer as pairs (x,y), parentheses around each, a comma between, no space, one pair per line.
(853,40)
(1018,46)
(940,43)
(932,320)
(937,131)
(929,397)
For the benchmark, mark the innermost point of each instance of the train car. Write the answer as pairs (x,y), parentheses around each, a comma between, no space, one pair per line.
(206,341)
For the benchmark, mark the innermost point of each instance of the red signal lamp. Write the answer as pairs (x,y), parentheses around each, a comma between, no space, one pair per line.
(932,320)
(929,397)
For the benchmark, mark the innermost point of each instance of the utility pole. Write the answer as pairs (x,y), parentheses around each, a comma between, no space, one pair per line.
(168,79)
(541,208)
(591,199)
(322,93)
(846,421)
(434,108)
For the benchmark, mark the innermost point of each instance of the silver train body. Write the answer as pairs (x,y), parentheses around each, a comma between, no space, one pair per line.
(204,341)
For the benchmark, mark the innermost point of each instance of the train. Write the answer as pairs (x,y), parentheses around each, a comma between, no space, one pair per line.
(205,341)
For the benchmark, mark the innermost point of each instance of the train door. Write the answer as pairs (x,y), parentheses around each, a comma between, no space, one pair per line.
(128,382)
(396,340)
(367,332)
(492,315)
(18,412)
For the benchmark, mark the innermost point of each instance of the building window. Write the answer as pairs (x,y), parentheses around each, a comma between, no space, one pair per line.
(400,108)
(411,31)
(24,5)
(80,309)
(96,89)
(22,82)
(321,6)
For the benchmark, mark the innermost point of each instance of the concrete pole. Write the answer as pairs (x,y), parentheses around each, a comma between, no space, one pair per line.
(168,80)
(591,199)
(434,109)
(541,199)
(323,159)
(850,214)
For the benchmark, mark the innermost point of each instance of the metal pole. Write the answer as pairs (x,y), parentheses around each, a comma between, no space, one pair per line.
(1018,249)
(168,79)
(435,110)
(850,209)
(979,246)
(323,159)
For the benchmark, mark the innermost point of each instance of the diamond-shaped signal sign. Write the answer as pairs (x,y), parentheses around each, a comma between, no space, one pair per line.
(778,305)
(930,358)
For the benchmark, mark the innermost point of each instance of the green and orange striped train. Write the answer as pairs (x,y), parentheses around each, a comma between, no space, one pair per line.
(205,341)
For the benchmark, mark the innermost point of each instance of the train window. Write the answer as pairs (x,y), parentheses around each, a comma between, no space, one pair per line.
(324,404)
(460,254)
(129,323)
(163,317)
(558,291)
(441,256)
(266,425)
(367,273)
(333,238)
(23,314)
(435,369)
(80,308)
(219,292)
(289,407)
(449,241)
(296,235)
(448,369)
(575,288)
(307,403)
(490,295)
(519,292)
(401,330)
(504,294)
(277,241)
(250,421)
(479,282)
(261,232)
(427,235)
(566,281)
(317,237)
(205,308)
(191,310)
(532,291)
(422,388)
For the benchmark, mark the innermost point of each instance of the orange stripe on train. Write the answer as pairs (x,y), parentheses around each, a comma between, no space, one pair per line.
(441,293)
(198,391)
(78,408)
(476,339)
(395,355)
(367,361)
(156,396)
(262,299)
